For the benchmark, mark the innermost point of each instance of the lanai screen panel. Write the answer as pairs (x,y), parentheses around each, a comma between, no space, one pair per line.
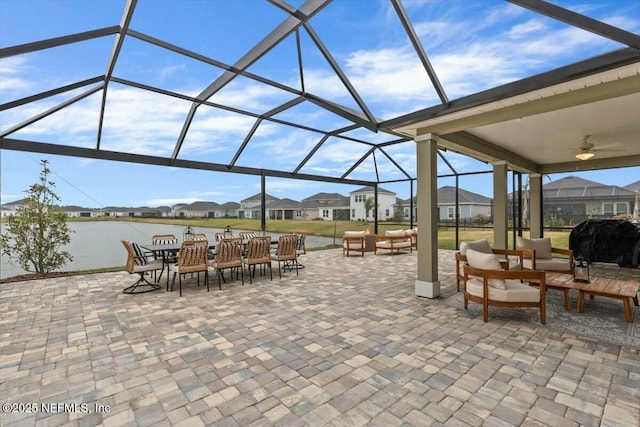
(222,33)
(479,45)
(74,125)
(141,122)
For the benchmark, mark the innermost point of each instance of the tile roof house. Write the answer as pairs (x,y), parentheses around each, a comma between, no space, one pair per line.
(227,210)
(326,206)
(469,205)
(198,210)
(284,209)
(386,203)
(575,199)
(250,207)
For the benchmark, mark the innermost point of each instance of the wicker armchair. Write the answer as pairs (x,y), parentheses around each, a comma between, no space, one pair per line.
(139,263)
(192,258)
(228,256)
(286,253)
(258,253)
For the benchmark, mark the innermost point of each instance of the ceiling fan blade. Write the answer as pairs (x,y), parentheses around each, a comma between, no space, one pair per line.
(607,146)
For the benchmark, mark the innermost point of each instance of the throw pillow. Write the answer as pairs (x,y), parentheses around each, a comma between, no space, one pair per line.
(541,246)
(477,245)
(484,261)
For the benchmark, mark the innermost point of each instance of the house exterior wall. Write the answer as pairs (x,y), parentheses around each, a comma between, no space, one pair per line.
(576,211)
(386,202)
(446,212)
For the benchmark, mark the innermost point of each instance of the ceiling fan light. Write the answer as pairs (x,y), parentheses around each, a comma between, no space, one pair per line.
(584,155)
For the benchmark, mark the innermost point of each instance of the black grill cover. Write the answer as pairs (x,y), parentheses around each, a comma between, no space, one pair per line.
(607,240)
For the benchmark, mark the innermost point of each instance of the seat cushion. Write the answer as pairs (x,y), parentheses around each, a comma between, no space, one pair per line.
(354,234)
(395,244)
(395,233)
(477,245)
(553,264)
(541,246)
(356,245)
(484,261)
(514,291)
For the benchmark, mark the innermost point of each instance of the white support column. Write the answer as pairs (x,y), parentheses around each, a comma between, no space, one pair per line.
(500,234)
(427,283)
(535,205)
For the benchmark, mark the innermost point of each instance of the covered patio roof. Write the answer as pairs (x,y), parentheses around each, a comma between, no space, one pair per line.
(332,107)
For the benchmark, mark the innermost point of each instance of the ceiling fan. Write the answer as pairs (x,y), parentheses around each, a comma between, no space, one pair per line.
(587,150)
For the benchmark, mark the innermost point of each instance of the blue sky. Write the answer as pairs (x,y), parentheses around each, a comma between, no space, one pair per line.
(365,38)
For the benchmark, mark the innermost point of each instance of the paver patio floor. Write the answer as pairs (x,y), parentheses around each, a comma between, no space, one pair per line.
(344,343)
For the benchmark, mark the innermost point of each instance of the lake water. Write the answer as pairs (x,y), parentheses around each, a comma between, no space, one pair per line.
(97,244)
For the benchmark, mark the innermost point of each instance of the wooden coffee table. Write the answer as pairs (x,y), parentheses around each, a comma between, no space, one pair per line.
(624,289)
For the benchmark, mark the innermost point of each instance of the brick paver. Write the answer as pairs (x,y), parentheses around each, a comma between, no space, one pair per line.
(344,343)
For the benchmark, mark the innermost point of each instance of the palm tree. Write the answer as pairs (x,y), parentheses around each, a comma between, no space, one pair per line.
(369,204)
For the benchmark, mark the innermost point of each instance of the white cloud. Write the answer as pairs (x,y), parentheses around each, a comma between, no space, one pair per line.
(12,74)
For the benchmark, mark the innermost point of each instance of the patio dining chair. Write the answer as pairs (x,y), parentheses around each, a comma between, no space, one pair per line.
(139,263)
(286,253)
(192,258)
(168,258)
(228,256)
(247,235)
(258,253)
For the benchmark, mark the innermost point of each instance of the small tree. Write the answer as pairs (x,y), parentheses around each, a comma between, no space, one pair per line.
(38,229)
(398,213)
(369,204)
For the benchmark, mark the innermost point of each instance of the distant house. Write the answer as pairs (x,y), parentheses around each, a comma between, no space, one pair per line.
(575,199)
(386,203)
(9,209)
(80,212)
(635,187)
(469,204)
(284,209)
(227,210)
(326,206)
(198,210)
(250,207)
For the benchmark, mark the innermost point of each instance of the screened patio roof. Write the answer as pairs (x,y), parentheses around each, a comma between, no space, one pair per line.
(330,91)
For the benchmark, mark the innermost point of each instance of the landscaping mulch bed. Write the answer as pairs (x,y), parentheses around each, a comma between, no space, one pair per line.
(35,276)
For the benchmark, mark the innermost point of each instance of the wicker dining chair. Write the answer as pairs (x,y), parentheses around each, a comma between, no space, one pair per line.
(168,258)
(247,235)
(228,256)
(192,258)
(286,253)
(258,253)
(139,263)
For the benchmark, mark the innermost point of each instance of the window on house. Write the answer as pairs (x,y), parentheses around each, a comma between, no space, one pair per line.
(353,213)
(325,213)
(614,208)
